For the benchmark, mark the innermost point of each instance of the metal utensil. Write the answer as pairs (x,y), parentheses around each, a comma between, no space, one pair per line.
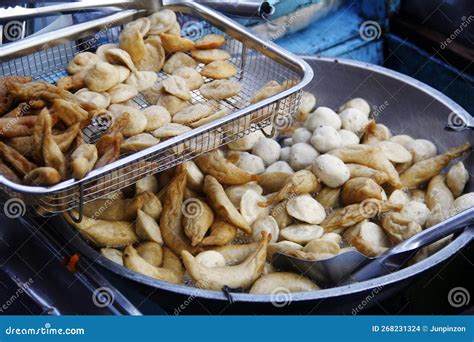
(248,8)
(354,266)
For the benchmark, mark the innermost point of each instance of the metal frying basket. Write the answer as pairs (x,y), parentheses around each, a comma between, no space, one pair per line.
(45,58)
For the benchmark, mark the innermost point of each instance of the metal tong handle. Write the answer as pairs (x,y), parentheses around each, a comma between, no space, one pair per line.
(435,233)
(248,8)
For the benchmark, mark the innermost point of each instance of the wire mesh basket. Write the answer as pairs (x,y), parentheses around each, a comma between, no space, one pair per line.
(258,62)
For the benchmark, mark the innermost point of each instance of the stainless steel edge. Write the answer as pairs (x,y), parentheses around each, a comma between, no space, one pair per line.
(237,31)
(34,44)
(23,13)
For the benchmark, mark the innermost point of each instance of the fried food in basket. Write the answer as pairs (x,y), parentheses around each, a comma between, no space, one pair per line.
(6,100)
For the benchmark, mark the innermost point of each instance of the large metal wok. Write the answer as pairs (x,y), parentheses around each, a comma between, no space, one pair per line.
(403,104)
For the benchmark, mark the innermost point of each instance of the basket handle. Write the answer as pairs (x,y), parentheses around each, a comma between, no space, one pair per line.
(247,8)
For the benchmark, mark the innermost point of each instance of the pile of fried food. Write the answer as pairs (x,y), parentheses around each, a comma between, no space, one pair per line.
(338,182)
(41,140)
(41,125)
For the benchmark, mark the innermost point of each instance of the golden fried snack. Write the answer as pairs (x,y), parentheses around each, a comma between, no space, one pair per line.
(438,194)
(8,173)
(367,248)
(7,101)
(192,113)
(151,252)
(211,41)
(222,205)
(211,117)
(329,197)
(83,160)
(192,77)
(219,70)
(236,254)
(108,146)
(120,57)
(170,130)
(196,224)
(114,209)
(73,82)
(143,25)
(269,89)
(300,183)
(395,152)
(370,156)
(162,21)
(23,109)
(82,61)
(374,133)
(355,190)
(41,90)
(439,199)
(65,139)
(358,170)
(242,275)
(19,163)
(147,228)
(154,57)
(142,80)
(208,56)
(68,112)
(52,155)
(457,178)
(101,77)
(152,204)
(104,233)
(42,176)
(314,256)
(424,170)
(215,164)
(178,60)
(273,282)
(273,181)
(172,43)
(177,86)
(355,213)
(222,233)
(220,89)
(131,41)
(132,260)
(398,227)
(17,127)
(172,215)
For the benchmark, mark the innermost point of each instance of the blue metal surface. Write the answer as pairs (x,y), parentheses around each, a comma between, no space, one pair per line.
(337,35)
(426,67)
